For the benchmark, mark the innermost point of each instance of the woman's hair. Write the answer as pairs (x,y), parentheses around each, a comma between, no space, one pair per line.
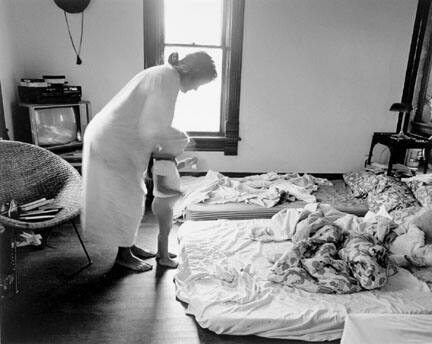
(195,66)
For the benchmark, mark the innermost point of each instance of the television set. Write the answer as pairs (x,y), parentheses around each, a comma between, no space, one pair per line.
(56,126)
(52,125)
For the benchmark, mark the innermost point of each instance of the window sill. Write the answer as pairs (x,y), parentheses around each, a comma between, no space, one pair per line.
(228,145)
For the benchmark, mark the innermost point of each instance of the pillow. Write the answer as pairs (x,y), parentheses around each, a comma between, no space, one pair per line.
(424,222)
(403,246)
(406,215)
(392,193)
(421,191)
(360,183)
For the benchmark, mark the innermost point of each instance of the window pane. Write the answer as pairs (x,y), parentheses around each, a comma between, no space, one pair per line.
(193,21)
(199,110)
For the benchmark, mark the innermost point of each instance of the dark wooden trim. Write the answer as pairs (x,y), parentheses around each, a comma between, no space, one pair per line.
(153,32)
(212,143)
(330,176)
(235,26)
(420,25)
(226,140)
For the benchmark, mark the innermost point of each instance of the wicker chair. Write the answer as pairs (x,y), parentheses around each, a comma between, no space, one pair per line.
(29,173)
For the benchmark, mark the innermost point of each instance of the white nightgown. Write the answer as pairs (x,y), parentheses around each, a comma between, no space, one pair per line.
(117,146)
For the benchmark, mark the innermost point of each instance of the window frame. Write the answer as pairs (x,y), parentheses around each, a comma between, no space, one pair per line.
(227,138)
(418,71)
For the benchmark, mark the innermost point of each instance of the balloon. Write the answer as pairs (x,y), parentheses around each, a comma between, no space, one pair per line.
(72,6)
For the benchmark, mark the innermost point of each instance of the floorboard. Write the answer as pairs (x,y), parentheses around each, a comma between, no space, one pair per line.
(59,301)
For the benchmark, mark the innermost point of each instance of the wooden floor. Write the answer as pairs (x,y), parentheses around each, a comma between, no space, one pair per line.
(58,303)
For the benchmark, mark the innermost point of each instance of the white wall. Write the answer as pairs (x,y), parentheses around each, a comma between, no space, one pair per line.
(318,78)
(112,48)
(8,62)
(318,75)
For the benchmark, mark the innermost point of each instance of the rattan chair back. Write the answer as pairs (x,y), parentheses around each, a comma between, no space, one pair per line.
(28,173)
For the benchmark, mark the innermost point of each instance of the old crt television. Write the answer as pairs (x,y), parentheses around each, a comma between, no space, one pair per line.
(52,125)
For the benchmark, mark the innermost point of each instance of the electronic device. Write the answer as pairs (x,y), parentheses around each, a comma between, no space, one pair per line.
(413,157)
(51,94)
(52,125)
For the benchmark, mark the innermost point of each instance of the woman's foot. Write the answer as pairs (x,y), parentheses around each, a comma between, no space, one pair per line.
(126,259)
(141,253)
(166,263)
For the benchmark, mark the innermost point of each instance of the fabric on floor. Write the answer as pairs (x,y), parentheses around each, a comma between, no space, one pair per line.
(263,190)
(223,279)
(337,195)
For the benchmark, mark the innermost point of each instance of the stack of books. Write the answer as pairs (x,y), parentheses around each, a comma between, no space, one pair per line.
(55,79)
(33,83)
(47,80)
(39,210)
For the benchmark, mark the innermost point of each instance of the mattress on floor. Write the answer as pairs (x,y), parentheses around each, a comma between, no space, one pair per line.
(338,195)
(387,328)
(222,278)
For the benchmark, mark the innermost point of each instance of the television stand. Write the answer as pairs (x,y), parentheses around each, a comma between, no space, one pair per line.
(71,152)
(67,147)
(73,157)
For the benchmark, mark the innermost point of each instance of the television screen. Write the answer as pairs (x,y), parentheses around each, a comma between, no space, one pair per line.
(56,125)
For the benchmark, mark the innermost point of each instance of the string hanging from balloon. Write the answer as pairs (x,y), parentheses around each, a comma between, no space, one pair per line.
(77,51)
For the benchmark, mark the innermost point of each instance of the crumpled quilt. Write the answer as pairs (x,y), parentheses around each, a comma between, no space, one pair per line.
(333,252)
(222,277)
(265,190)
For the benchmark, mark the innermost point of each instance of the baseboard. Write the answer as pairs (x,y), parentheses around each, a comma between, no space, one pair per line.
(149,183)
(330,176)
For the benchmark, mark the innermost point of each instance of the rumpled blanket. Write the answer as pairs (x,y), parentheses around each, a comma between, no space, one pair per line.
(334,252)
(265,190)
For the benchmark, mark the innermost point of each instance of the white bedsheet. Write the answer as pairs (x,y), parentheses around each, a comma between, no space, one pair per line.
(263,189)
(223,278)
(387,328)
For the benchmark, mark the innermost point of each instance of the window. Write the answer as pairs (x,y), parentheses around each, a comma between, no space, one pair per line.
(211,114)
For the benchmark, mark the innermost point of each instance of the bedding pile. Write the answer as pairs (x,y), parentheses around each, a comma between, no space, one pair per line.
(381,190)
(265,190)
(408,202)
(223,277)
(333,252)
